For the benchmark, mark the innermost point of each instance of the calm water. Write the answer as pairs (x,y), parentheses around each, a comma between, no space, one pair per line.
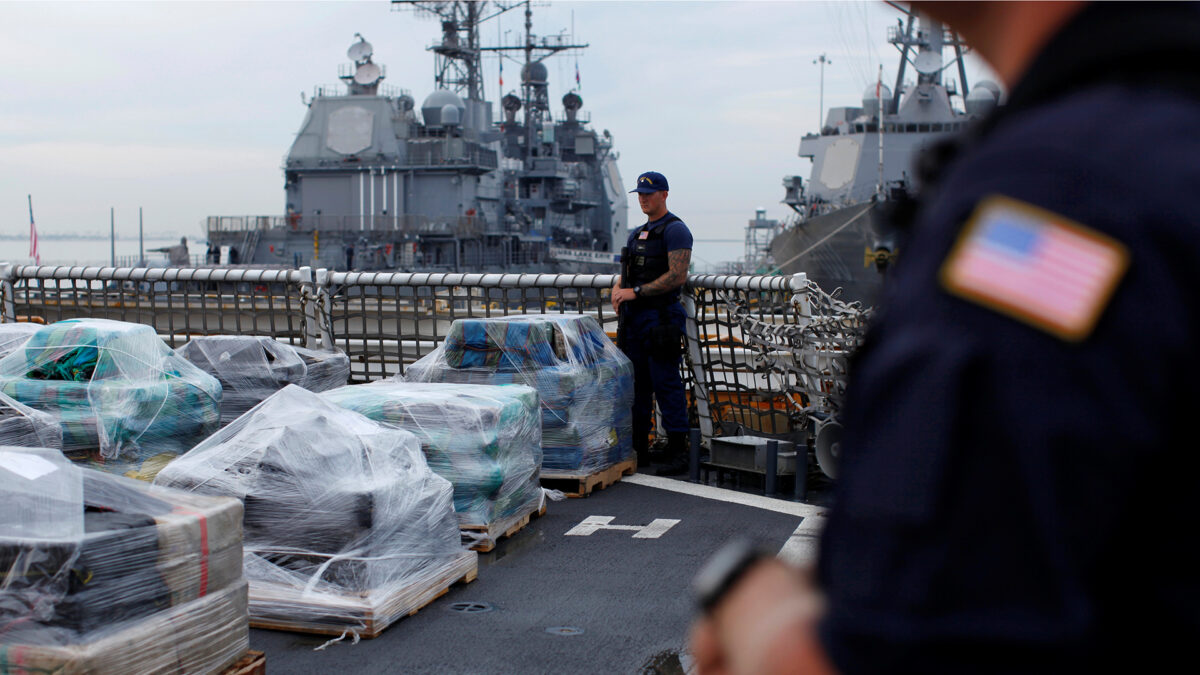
(96,251)
(89,251)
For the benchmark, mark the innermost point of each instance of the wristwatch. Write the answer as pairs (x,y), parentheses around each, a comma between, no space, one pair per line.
(723,571)
(637,291)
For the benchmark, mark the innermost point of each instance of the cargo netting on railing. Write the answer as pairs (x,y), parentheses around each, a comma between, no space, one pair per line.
(177,302)
(765,352)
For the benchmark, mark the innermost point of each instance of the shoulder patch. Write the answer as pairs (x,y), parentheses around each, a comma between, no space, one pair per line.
(1035,266)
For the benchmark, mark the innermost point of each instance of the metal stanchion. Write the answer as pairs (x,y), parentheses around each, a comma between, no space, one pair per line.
(772,467)
(694,456)
(800,490)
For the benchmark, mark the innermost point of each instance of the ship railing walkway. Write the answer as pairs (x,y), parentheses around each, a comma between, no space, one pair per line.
(386,321)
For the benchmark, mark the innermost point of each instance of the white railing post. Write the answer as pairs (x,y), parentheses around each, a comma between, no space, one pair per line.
(314,300)
(9,308)
(699,385)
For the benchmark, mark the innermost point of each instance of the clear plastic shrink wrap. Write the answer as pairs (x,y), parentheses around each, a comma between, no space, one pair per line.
(584,381)
(23,426)
(100,573)
(487,441)
(251,368)
(14,334)
(342,513)
(126,402)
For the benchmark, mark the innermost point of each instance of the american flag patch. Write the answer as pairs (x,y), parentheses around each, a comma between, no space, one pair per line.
(1035,266)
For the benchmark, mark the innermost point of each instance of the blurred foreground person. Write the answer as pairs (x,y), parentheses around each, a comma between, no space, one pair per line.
(1017,488)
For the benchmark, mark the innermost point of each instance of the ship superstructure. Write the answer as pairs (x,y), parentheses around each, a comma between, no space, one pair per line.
(862,157)
(375,182)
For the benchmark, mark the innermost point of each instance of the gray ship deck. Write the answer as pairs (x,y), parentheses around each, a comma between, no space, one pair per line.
(627,598)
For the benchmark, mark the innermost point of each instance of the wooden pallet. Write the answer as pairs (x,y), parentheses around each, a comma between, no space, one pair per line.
(251,663)
(486,536)
(366,615)
(582,484)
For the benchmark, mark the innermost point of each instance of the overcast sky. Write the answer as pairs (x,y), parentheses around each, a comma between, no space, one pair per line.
(188,108)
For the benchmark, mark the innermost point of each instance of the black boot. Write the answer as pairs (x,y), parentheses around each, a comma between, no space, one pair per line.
(641,447)
(677,455)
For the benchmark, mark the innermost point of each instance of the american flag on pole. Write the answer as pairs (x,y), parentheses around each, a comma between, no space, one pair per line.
(1035,266)
(33,239)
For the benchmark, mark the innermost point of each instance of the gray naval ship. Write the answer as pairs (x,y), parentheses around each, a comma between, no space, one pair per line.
(374,183)
(862,159)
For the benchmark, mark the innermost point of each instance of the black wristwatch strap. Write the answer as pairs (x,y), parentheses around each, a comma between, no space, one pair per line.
(723,571)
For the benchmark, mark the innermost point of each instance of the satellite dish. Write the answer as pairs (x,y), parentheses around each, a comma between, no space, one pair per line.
(367,74)
(361,50)
(928,63)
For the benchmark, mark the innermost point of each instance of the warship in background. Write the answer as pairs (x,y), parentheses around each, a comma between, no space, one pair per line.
(372,183)
(838,233)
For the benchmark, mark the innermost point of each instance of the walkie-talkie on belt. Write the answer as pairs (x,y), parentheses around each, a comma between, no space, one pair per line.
(624,280)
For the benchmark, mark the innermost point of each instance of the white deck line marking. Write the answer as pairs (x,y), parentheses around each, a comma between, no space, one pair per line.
(657,528)
(721,494)
(590,525)
(801,548)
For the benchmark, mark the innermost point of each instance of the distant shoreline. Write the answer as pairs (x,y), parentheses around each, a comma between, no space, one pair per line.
(50,236)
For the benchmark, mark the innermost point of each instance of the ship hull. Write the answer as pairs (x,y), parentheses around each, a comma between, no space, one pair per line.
(836,250)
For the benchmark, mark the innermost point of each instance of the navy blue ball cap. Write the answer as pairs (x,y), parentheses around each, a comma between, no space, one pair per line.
(651,181)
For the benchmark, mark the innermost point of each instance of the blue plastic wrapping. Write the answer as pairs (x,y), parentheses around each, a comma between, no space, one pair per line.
(585,383)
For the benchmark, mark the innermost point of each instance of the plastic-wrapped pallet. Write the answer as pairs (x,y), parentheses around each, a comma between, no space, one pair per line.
(100,573)
(13,335)
(342,513)
(486,441)
(584,381)
(23,426)
(251,368)
(126,402)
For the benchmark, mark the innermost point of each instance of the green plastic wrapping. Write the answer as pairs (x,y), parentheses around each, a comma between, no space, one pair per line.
(485,440)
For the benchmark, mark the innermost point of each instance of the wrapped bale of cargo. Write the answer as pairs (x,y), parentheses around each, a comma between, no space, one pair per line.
(126,402)
(14,334)
(585,383)
(251,368)
(99,573)
(23,426)
(344,521)
(485,440)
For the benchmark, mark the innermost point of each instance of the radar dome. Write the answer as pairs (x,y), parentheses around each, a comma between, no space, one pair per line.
(451,116)
(870,102)
(434,105)
(980,101)
(990,86)
(534,73)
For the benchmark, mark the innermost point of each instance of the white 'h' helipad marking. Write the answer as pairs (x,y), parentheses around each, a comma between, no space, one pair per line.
(657,527)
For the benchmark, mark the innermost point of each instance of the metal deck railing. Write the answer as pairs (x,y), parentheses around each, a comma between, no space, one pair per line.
(738,380)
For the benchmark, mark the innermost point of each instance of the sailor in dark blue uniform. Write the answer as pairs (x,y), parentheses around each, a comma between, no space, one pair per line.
(655,264)
(1019,480)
